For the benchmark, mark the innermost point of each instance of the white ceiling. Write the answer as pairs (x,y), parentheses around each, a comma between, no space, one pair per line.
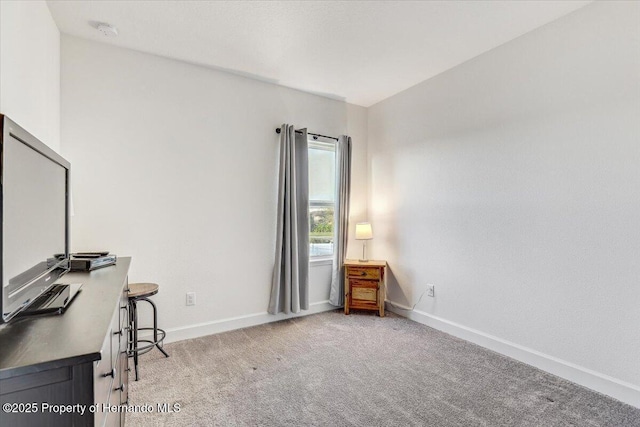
(359,51)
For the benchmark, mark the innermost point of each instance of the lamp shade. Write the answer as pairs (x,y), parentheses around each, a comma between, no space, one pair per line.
(364,231)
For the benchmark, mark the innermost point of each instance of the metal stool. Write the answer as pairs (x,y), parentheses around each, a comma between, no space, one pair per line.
(141,292)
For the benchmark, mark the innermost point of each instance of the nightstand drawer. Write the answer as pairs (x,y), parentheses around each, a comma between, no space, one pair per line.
(364,272)
(364,294)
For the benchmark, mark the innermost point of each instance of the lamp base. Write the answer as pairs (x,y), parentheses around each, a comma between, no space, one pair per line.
(364,253)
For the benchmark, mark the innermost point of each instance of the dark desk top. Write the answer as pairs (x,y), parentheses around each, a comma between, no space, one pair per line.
(34,344)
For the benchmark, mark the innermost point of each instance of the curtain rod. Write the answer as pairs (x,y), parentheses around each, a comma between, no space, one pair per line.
(278,130)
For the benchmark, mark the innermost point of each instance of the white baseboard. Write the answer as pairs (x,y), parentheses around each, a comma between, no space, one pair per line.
(224,325)
(623,391)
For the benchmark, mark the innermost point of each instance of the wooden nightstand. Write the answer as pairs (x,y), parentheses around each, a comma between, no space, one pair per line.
(364,285)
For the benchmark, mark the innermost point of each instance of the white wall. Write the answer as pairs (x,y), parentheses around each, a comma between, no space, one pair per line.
(176,165)
(30,69)
(512,183)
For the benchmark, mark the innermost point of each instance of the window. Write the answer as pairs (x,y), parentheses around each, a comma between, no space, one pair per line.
(322,197)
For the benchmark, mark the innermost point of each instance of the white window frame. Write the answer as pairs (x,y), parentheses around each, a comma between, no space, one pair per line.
(326,144)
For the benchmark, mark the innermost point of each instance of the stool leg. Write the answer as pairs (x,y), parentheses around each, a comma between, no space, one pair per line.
(155,326)
(130,329)
(135,336)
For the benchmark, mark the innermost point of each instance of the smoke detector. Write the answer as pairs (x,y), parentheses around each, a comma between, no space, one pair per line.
(107,30)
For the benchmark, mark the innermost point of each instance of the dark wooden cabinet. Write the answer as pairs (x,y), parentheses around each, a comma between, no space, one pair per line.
(77,360)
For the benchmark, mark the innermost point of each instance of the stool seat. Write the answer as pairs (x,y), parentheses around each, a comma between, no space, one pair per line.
(142,289)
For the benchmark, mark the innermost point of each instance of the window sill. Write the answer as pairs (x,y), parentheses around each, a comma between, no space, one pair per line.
(318,261)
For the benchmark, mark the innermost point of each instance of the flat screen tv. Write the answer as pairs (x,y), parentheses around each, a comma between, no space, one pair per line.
(34,193)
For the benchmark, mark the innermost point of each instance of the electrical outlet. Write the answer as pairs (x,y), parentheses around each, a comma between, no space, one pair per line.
(191,298)
(431,291)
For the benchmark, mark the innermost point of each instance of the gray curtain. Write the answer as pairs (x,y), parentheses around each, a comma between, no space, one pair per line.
(341,218)
(290,281)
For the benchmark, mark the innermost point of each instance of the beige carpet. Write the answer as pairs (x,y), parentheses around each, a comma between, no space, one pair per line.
(330,369)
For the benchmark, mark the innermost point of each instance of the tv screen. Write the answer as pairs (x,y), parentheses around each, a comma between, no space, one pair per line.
(34,218)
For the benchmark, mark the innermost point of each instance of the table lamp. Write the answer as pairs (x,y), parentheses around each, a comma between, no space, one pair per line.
(364,232)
